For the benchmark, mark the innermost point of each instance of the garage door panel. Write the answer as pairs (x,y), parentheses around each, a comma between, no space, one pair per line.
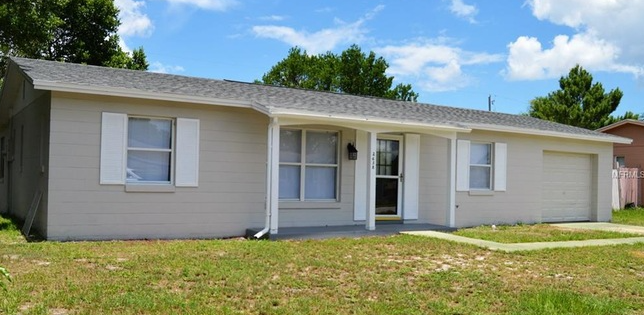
(566,191)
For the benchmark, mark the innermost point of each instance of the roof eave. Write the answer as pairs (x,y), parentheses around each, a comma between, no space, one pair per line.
(110,91)
(369,120)
(536,132)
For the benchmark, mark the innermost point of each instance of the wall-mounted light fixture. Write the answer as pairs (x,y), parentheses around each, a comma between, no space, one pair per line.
(353,152)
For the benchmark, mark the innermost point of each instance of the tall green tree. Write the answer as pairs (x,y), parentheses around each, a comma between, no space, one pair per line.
(627,115)
(79,31)
(578,102)
(351,72)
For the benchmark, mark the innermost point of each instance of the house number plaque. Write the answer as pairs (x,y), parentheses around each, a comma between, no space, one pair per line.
(373,160)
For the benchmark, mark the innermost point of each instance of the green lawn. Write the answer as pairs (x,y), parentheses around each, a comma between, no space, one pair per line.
(372,275)
(523,233)
(633,216)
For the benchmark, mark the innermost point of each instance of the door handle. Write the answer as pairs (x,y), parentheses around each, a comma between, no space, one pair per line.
(402,177)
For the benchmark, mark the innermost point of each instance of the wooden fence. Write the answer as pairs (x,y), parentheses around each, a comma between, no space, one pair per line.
(626,187)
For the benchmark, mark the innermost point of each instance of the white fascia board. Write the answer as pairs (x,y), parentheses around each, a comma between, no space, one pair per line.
(108,91)
(534,132)
(366,123)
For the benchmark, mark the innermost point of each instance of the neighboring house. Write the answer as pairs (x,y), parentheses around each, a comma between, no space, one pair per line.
(121,154)
(629,155)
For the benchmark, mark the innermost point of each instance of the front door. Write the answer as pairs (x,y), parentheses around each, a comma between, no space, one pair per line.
(389,178)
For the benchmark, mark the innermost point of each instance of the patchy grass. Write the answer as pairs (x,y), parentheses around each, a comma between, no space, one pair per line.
(524,233)
(557,302)
(373,275)
(9,232)
(634,216)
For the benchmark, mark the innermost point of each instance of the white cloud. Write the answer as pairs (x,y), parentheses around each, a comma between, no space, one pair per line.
(133,21)
(161,68)
(528,60)
(325,10)
(124,46)
(463,10)
(322,40)
(273,18)
(607,38)
(435,65)
(215,5)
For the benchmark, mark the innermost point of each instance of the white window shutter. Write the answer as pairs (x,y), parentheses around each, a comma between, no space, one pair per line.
(187,161)
(411,179)
(113,146)
(463,165)
(500,166)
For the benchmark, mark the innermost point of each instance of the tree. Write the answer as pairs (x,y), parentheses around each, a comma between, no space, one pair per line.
(78,31)
(578,102)
(351,72)
(402,92)
(627,115)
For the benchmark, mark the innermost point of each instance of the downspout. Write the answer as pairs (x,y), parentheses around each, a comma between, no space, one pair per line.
(269,176)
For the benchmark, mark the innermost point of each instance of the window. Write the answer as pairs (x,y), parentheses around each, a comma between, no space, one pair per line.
(149,150)
(308,165)
(144,150)
(481,166)
(620,161)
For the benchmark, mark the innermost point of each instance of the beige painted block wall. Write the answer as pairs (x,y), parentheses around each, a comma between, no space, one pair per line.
(522,200)
(27,173)
(229,199)
(434,184)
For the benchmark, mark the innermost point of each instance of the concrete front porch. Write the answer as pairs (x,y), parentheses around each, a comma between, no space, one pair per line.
(352,231)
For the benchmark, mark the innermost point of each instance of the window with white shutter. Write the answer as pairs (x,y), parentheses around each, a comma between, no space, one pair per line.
(481,166)
(146,150)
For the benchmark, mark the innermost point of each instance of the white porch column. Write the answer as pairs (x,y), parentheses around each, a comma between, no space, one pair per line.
(360,198)
(274,174)
(451,182)
(370,223)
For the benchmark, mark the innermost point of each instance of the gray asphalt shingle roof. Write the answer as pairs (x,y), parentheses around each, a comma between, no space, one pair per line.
(278,99)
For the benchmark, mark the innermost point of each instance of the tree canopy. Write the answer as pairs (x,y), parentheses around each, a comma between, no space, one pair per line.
(78,31)
(351,72)
(627,115)
(579,102)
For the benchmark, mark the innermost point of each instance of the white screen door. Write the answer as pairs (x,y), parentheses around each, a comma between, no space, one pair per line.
(389,177)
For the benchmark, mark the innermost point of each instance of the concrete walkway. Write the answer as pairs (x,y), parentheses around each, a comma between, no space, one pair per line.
(543,245)
(602,226)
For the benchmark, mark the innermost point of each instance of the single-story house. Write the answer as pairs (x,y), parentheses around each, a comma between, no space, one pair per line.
(629,155)
(101,153)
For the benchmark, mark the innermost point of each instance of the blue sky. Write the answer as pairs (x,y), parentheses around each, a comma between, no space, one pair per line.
(453,52)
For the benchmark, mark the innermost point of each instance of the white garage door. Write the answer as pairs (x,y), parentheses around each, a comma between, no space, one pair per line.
(566,187)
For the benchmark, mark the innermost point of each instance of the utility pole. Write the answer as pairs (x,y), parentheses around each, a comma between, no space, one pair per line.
(490,101)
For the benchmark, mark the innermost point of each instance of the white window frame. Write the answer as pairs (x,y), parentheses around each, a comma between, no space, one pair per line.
(184,166)
(171,150)
(303,164)
(499,166)
(617,161)
(489,166)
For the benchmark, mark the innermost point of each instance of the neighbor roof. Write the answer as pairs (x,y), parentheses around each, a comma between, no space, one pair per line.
(621,123)
(276,101)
